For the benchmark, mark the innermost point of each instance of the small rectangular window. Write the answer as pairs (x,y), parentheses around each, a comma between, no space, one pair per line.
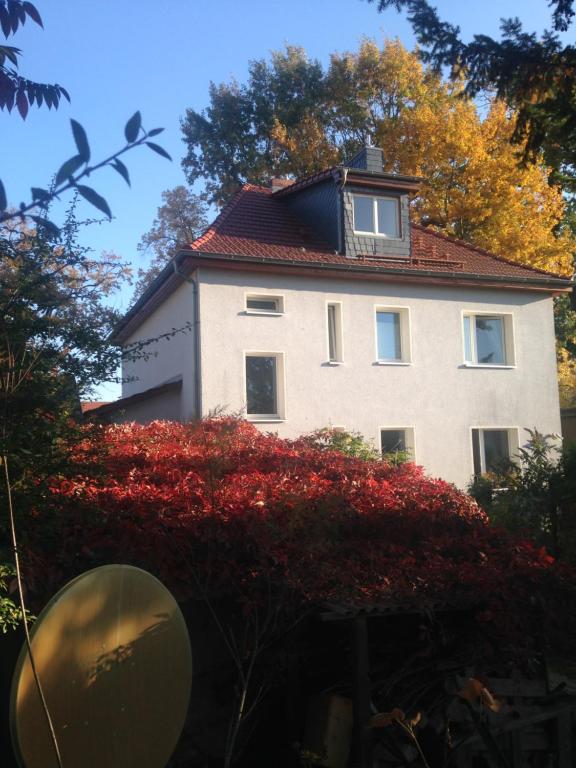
(334,321)
(264,386)
(488,339)
(397,444)
(492,449)
(392,335)
(265,304)
(377,215)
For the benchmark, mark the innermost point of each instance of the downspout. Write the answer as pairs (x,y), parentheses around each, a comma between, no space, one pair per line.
(343,175)
(193,281)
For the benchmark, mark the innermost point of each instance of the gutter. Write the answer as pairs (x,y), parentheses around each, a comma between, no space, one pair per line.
(172,270)
(193,281)
(339,177)
(552,283)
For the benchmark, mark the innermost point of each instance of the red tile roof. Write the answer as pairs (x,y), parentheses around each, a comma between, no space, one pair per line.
(87,406)
(257,227)
(258,224)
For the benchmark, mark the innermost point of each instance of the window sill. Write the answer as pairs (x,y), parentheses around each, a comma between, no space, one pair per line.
(262,312)
(488,365)
(392,362)
(378,235)
(265,419)
(333,363)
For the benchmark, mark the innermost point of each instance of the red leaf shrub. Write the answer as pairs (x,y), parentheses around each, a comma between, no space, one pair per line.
(220,504)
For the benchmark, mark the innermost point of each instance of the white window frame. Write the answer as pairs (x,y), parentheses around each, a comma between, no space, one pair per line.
(280,387)
(339,340)
(513,443)
(375,233)
(508,330)
(409,439)
(405,335)
(278,298)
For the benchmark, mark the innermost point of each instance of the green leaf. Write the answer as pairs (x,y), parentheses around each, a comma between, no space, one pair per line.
(40,194)
(157,148)
(94,199)
(22,103)
(5,21)
(81,140)
(69,168)
(119,166)
(47,226)
(132,128)
(155,131)
(3,198)
(10,53)
(33,13)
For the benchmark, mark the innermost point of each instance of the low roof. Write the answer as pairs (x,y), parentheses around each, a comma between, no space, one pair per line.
(258,230)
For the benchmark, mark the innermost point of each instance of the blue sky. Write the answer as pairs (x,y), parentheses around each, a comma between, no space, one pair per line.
(117,57)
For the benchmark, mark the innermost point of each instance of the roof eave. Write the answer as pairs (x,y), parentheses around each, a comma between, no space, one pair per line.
(170,280)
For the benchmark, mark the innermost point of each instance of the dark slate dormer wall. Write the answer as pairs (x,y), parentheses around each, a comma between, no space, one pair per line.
(368,159)
(317,206)
(366,245)
(372,159)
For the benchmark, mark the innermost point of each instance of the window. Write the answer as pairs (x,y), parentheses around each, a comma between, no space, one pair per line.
(264,386)
(397,444)
(265,305)
(334,322)
(392,335)
(493,449)
(488,340)
(377,215)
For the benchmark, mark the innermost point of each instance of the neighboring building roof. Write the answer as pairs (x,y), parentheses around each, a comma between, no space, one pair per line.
(86,406)
(257,228)
(100,410)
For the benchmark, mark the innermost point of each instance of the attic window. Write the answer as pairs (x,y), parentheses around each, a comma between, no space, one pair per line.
(264,305)
(377,216)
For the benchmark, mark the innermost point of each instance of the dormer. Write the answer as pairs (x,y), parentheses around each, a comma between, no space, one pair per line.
(375,206)
(359,209)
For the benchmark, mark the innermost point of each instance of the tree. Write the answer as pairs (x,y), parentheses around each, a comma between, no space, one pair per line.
(179,220)
(231,141)
(536,496)
(565,325)
(535,76)
(16,90)
(54,330)
(473,186)
(268,531)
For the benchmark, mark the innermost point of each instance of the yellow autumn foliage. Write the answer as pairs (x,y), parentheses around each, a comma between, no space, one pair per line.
(474,187)
(566,378)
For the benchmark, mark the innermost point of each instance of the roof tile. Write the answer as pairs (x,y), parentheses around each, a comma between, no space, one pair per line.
(257,223)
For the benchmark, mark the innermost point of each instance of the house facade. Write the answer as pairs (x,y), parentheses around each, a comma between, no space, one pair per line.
(318,304)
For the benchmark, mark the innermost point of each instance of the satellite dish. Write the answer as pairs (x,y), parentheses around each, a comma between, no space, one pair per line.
(113,655)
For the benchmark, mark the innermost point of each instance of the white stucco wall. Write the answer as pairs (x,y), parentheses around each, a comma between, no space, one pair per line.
(167,358)
(436,394)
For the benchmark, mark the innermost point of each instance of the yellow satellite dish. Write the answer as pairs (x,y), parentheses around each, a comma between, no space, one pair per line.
(113,656)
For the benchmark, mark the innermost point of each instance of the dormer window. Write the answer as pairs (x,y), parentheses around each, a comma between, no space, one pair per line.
(377,216)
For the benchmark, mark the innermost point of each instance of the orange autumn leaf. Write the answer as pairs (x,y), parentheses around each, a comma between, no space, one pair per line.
(474,692)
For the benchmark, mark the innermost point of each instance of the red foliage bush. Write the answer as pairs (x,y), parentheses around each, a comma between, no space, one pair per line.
(222,505)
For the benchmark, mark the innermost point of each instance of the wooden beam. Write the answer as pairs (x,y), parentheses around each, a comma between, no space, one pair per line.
(361,692)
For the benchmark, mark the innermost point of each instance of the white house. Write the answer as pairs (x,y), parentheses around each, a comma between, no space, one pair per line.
(317,303)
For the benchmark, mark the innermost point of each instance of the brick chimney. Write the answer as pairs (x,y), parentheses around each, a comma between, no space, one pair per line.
(368,159)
